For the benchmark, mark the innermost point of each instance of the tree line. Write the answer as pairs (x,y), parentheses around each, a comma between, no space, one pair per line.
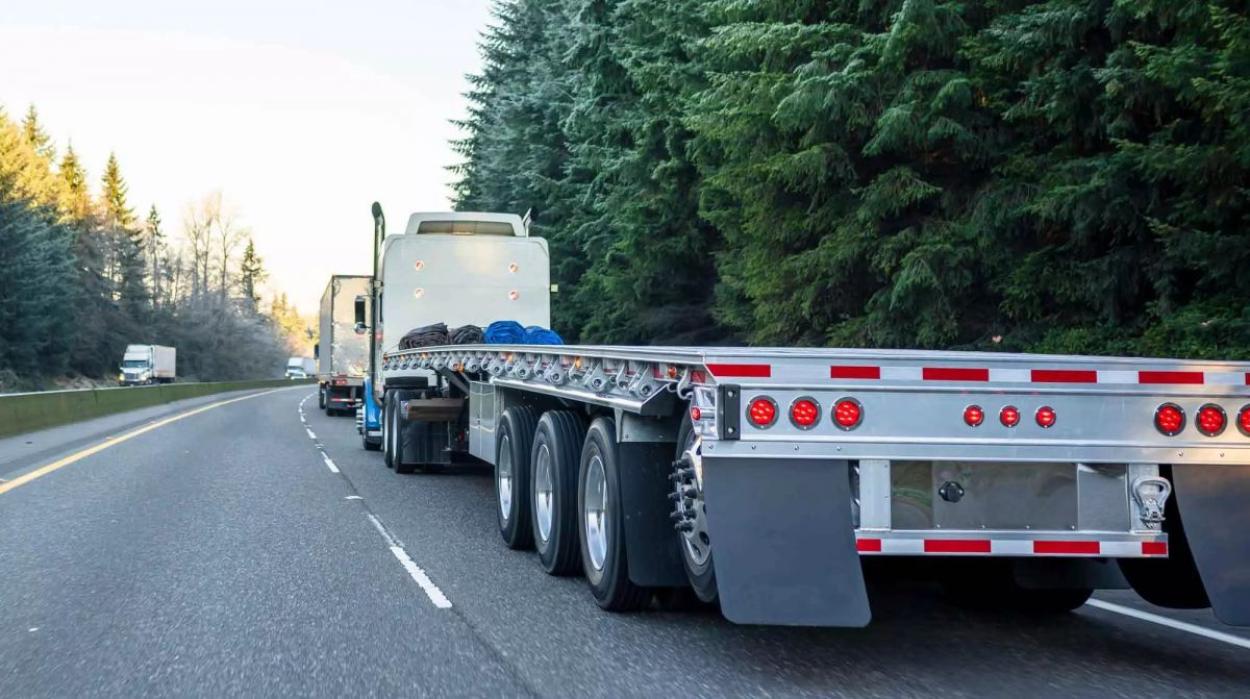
(82,275)
(1065,176)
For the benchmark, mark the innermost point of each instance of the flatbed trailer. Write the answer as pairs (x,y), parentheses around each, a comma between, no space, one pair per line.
(768,479)
(780,468)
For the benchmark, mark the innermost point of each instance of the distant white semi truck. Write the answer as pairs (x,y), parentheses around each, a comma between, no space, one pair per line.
(342,352)
(300,367)
(767,478)
(148,364)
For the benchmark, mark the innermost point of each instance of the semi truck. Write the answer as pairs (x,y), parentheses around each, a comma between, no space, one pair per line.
(342,352)
(767,480)
(148,364)
(300,367)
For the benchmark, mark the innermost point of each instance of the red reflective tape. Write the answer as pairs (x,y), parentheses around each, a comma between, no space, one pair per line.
(1185,377)
(1073,548)
(868,545)
(1064,376)
(953,374)
(854,372)
(1248,378)
(956,545)
(745,371)
(1154,548)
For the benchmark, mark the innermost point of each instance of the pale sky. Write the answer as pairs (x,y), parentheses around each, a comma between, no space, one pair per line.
(302,112)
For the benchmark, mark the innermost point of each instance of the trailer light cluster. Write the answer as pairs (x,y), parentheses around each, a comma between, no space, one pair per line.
(804,413)
(1210,420)
(1009,416)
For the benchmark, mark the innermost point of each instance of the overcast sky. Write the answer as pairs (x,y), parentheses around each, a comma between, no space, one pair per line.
(302,112)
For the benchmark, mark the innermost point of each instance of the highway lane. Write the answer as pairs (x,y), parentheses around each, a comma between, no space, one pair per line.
(222,554)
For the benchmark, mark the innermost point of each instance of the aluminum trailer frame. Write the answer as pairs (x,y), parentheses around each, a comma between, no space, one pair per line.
(1083,472)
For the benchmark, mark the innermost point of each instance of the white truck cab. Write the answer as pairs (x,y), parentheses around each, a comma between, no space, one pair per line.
(461,268)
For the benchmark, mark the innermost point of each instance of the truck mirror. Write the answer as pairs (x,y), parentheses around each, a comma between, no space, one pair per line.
(360,313)
(361,329)
(317,351)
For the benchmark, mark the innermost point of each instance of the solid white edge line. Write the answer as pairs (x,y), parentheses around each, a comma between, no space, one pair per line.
(329,463)
(1171,623)
(431,590)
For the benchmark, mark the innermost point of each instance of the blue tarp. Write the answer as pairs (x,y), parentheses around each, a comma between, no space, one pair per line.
(509,332)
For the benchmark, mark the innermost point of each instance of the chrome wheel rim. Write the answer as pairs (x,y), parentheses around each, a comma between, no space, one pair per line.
(544,508)
(595,512)
(503,477)
(696,542)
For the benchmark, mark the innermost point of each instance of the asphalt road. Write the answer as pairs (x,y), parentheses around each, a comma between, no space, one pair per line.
(237,552)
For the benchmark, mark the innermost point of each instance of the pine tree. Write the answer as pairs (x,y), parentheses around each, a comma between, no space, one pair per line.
(251,275)
(36,136)
(75,201)
(154,245)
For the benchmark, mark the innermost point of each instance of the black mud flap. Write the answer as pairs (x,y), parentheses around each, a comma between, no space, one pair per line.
(1214,504)
(783,542)
(651,544)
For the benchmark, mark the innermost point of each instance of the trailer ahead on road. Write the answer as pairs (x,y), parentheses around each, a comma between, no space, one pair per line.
(342,352)
(765,478)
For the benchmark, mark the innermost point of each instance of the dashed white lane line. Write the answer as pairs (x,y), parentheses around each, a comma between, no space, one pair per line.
(431,590)
(1171,623)
(418,575)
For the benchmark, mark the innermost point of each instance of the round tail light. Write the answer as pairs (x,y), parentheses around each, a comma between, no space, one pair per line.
(1009,416)
(974,416)
(848,413)
(804,413)
(762,412)
(1046,417)
(1211,420)
(696,414)
(1243,421)
(1170,419)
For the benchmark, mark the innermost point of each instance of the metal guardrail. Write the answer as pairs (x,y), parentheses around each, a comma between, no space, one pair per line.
(27,412)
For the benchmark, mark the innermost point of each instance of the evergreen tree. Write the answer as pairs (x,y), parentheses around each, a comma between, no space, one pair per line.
(75,201)
(154,246)
(251,275)
(36,136)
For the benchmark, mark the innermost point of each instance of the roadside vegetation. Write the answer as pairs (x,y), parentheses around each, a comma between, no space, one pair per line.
(1057,176)
(82,275)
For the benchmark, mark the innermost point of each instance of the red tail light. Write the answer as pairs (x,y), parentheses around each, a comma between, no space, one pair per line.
(1046,417)
(762,412)
(974,416)
(1009,416)
(696,414)
(1170,419)
(848,413)
(1243,421)
(1211,420)
(804,413)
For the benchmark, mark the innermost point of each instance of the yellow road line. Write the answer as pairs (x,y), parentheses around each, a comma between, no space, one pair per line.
(114,441)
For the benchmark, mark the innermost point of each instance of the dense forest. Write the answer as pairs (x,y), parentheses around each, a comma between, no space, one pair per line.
(1061,176)
(82,275)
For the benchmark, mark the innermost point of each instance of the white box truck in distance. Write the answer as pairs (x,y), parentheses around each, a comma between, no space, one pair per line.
(300,367)
(148,364)
(342,353)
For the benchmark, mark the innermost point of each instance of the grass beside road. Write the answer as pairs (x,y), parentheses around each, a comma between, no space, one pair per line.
(27,412)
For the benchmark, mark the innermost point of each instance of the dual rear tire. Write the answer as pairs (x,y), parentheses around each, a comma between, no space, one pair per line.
(557,490)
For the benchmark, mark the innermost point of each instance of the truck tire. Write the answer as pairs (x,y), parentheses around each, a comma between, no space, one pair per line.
(513,443)
(388,429)
(696,545)
(321,397)
(554,464)
(601,523)
(402,432)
